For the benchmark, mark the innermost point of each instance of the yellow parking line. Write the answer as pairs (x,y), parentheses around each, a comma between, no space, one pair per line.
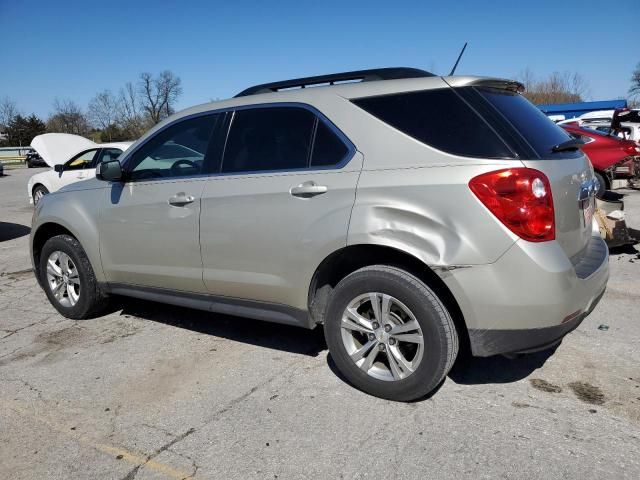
(121,453)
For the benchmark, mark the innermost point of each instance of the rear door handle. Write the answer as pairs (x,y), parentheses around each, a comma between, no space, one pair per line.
(308,190)
(181,199)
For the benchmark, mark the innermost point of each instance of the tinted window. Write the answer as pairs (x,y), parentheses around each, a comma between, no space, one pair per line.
(534,126)
(439,118)
(276,138)
(177,151)
(328,149)
(82,160)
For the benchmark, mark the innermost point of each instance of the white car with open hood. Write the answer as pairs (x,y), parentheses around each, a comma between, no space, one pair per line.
(72,158)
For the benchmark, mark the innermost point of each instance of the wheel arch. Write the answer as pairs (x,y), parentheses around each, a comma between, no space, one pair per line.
(348,259)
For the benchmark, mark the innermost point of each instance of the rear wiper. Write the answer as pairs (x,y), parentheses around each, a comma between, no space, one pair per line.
(571,144)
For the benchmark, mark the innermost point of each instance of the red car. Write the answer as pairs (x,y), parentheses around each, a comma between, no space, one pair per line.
(611,157)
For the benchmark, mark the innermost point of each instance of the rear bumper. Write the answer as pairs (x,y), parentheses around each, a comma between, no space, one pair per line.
(531,297)
(485,343)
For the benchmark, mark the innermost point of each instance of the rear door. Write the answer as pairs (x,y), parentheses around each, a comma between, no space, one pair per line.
(279,206)
(149,227)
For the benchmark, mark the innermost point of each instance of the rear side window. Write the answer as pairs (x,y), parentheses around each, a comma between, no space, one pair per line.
(533,125)
(439,118)
(273,138)
(328,149)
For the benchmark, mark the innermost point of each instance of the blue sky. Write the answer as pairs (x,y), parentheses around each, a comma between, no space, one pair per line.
(73,49)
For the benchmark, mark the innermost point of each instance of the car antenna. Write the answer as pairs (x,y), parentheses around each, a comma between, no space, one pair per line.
(453,70)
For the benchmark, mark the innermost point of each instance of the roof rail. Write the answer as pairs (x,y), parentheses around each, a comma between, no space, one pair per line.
(331,79)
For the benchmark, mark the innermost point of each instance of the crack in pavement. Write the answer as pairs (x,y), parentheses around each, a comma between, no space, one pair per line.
(134,471)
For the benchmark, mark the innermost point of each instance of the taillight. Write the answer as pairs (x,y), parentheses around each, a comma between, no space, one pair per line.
(521,199)
(632,149)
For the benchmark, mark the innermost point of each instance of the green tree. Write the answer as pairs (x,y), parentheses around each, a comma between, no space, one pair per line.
(21,130)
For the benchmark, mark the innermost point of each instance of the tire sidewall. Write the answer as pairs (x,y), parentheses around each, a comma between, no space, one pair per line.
(603,184)
(70,246)
(433,365)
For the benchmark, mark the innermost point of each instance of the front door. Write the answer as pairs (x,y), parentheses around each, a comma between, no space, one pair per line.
(149,227)
(75,169)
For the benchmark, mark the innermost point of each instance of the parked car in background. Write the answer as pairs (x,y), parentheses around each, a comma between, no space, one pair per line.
(622,123)
(33,160)
(611,156)
(72,158)
(407,213)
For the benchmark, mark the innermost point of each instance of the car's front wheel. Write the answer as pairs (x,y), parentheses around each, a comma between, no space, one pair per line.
(38,192)
(68,278)
(389,334)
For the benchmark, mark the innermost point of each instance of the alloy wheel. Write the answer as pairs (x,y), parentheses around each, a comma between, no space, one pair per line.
(382,336)
(63,279)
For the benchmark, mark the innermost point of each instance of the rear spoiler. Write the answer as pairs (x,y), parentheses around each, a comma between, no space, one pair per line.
(499,83)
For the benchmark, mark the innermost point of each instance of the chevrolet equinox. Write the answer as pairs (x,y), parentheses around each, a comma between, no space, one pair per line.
(405,212)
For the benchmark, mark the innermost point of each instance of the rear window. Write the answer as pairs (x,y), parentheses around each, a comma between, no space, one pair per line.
(533,125)
(472,122)
(439,118)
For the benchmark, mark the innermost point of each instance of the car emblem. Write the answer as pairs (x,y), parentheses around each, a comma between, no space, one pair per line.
(588,189)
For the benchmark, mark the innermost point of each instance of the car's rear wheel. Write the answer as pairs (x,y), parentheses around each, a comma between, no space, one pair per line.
(389,334)
(38,192)
(68,278)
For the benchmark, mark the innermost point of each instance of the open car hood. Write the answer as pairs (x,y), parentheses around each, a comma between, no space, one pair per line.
(57,148)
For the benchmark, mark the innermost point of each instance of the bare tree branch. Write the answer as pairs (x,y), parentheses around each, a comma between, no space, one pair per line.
(159,95)
(565,87)
(102,111)
(68,117)
(8,111)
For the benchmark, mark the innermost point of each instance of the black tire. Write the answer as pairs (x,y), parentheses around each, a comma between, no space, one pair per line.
(603,184)
(91,300)
(36,190)
(29,164)
(438,329)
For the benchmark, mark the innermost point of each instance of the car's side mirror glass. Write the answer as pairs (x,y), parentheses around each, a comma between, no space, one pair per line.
(109,171)
(58,168)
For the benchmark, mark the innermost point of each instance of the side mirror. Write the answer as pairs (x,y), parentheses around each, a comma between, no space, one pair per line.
(109,171)
(59,168)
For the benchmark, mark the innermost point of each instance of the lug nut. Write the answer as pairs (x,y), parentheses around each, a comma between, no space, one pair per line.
(387,328)
(372,336)
(392,341)
(376,325)
(381,347)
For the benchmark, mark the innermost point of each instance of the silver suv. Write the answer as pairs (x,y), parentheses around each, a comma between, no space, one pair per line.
(407,213)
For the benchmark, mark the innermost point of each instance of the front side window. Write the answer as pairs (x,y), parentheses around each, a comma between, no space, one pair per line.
(179,150)
(108,154)
(82,160)
(269,139)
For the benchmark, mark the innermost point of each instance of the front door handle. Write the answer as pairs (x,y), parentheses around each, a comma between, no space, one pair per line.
(181,199)
(308,190)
